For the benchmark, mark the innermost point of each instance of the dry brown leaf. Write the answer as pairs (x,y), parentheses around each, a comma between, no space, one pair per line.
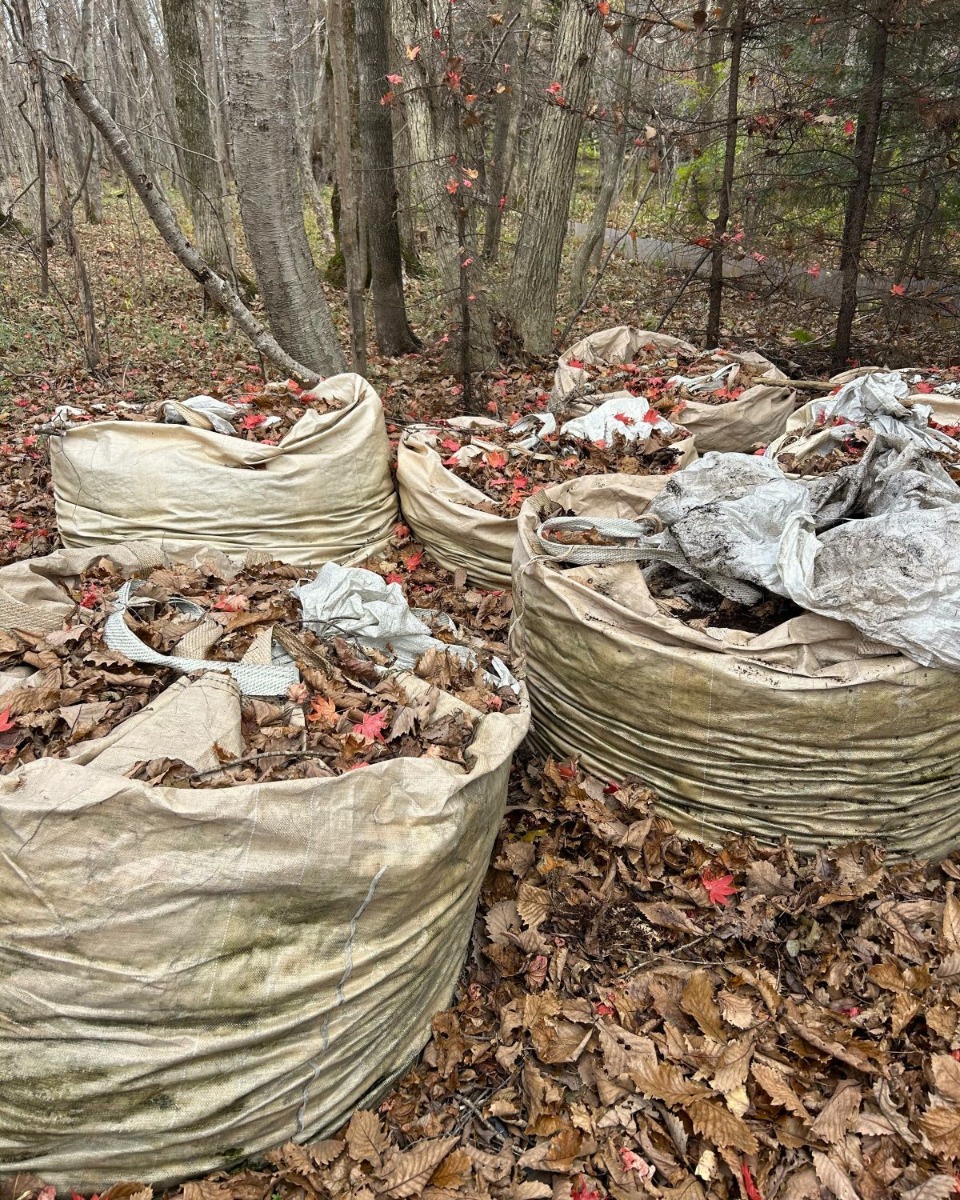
(668,1083)
(453,1172)
(937,1187)
(698,1002)
(942,1127)
(779,1090)
(951,921)
(833,1177)
(366,1140)
(721,1126)
(946,1075)
(410,1170)
(839,1115)
(533,904)
(733,1066)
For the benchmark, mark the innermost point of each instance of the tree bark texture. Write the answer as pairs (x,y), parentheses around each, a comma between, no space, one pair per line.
(864,155)
(612,135)
(347,179)
(161,80)
(166,222)
(378,189)
(534,276)
(432,112)
(204,190)
(726,181)
(92,191)
(91,340)
(265,167)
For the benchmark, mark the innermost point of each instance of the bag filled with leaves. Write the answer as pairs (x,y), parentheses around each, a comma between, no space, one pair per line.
(323,492)
(745,709)
(462,484)
(835,431)
(728,400)
(231,914)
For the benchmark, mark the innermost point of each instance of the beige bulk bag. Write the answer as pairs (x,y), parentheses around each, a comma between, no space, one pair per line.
(191,976)
(448,515)
(808,731)
(324,492)
(752,420)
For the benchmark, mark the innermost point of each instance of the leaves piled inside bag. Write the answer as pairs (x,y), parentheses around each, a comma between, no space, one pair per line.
(341,709)
(509,463)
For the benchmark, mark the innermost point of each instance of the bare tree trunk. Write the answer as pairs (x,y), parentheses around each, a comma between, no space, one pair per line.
(265,165)
(613,142)
(161,80)
(349,226)
(532,295)
(726,182)
(204,194)
(432,112)
(858,200)
(163,217)
(379,185)
(91,342)
(92,191)
(506,136)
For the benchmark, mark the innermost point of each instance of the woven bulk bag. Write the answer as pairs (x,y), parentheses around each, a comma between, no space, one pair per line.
(809,731)
(323,493)
(743,424)
(190,976)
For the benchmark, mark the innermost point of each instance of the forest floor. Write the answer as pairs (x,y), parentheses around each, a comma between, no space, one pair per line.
(639,1015)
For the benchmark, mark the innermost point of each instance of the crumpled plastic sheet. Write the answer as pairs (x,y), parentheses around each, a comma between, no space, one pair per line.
(876,544)
(869,401)
(599,424)
(361,606)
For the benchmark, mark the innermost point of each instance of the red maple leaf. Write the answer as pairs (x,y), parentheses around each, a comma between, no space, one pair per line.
(232,603)
(401,531)
(371,727)
(90,597)
(322,710)
(898,289)
(495,458)
(848,127)
(413,560)
(651,416)
(718,887)
(252,421)
(394,577)
(576,364)
(923,388)
(751,1189)
(624,419)
(6,722)
(450,444)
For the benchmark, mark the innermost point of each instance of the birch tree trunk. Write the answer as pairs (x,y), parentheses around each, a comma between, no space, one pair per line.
(204,185)
(378,188)
(265,166)
(532,295)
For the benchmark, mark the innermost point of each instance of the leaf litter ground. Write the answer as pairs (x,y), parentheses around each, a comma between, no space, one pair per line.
(639,1015)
